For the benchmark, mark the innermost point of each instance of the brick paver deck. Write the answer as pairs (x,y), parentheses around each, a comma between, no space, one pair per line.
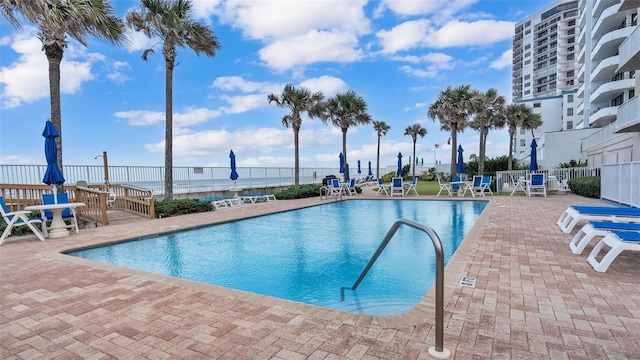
(533,299)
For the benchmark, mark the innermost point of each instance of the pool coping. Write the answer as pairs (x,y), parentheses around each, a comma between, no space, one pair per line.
(421,313)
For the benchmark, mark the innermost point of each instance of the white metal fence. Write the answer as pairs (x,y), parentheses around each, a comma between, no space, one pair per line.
(185,179)
(504,181)
(621,183)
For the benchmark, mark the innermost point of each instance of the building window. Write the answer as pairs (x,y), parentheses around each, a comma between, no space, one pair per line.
(527,62)
(570,111)
(522,142)
(570,98)
(527,84)
(537,105)
(522,130)
(571,57)
(527,92)
(569,125)
(527,77)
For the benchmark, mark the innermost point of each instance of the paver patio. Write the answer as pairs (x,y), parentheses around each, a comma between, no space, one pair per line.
(533,299)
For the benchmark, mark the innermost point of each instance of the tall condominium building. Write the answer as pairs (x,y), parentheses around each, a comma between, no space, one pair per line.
(608,79)
(566,67)
(545,52)
(545,65)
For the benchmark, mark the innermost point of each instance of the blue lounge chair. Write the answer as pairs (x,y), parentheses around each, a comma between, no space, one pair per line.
(618,241)
(331,190)
(486,185)
(537,185)
(597,229)
(19,218)
(411,187)
(397,188)
(574,214)
(382,188)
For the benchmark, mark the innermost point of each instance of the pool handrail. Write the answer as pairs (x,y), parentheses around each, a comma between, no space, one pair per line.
(438,351)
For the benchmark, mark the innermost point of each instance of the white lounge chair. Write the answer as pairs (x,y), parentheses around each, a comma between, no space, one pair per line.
(486,185)
(411,187)
(595,229)
(476,184)
(537,185)
(382,188)
(519,184)
(331,190)
(618,241)
(351,187)
(67,214)
(574,214)
(19,218)
(444,186)
(397,188)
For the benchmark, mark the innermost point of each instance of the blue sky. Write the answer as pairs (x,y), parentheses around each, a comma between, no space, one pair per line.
(398,55)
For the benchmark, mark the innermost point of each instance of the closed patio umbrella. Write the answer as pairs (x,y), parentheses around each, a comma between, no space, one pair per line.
(234,173)
(359,170)
(341,163)
(399,171)
(346,172)
(460,166)
(533,165)
(370,172)
(52,175)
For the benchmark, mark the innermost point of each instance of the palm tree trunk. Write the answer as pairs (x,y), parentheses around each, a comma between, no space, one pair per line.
(454,148)
(168,134)
(54,57)
(414,158)
(378,160)
(344,152)
(483,147)
(510,165)
(296,170)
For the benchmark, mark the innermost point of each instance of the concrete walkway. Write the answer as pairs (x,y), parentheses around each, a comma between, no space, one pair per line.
(533,299)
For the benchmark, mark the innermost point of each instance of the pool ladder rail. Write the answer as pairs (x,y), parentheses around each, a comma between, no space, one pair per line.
(438,351)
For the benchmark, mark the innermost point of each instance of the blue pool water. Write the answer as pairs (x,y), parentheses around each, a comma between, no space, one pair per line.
(308,255)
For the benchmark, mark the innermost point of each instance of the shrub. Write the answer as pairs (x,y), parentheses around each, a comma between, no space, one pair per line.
(167,208)
(303,191)
(588,186)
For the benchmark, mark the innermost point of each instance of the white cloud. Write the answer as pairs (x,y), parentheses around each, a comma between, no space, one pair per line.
(457,33)
(314,46)
(504,61)
(273,20)
(244,103)
(422,33)
(231,83)
(141,117)
(329,85)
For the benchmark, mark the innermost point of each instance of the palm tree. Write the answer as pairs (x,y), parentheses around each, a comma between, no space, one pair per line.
(55,21)
(298,100)
(415,130)
(489,114)
(345,110)
(381,128)
(171,22)
(453,108)
(520,115)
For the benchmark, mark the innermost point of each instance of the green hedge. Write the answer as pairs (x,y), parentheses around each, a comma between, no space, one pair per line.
(167,208)
(588,186)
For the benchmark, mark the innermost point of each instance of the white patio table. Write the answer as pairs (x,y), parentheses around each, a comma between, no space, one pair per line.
(58,227)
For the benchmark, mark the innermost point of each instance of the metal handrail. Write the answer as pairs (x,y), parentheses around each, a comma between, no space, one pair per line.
(438,351)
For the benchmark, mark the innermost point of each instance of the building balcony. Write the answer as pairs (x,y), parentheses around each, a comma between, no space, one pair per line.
(608,20)
(629,58)
(611,89)
(603,116)
(629,116)
(580,108)
(629,5)
(606,69)
(610,42)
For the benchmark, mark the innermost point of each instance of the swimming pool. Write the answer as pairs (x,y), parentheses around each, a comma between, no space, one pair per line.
(308,255)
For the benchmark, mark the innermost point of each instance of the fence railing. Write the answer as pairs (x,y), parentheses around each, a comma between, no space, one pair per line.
(505,184)
(129,199)
(185,179)
(621,183)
